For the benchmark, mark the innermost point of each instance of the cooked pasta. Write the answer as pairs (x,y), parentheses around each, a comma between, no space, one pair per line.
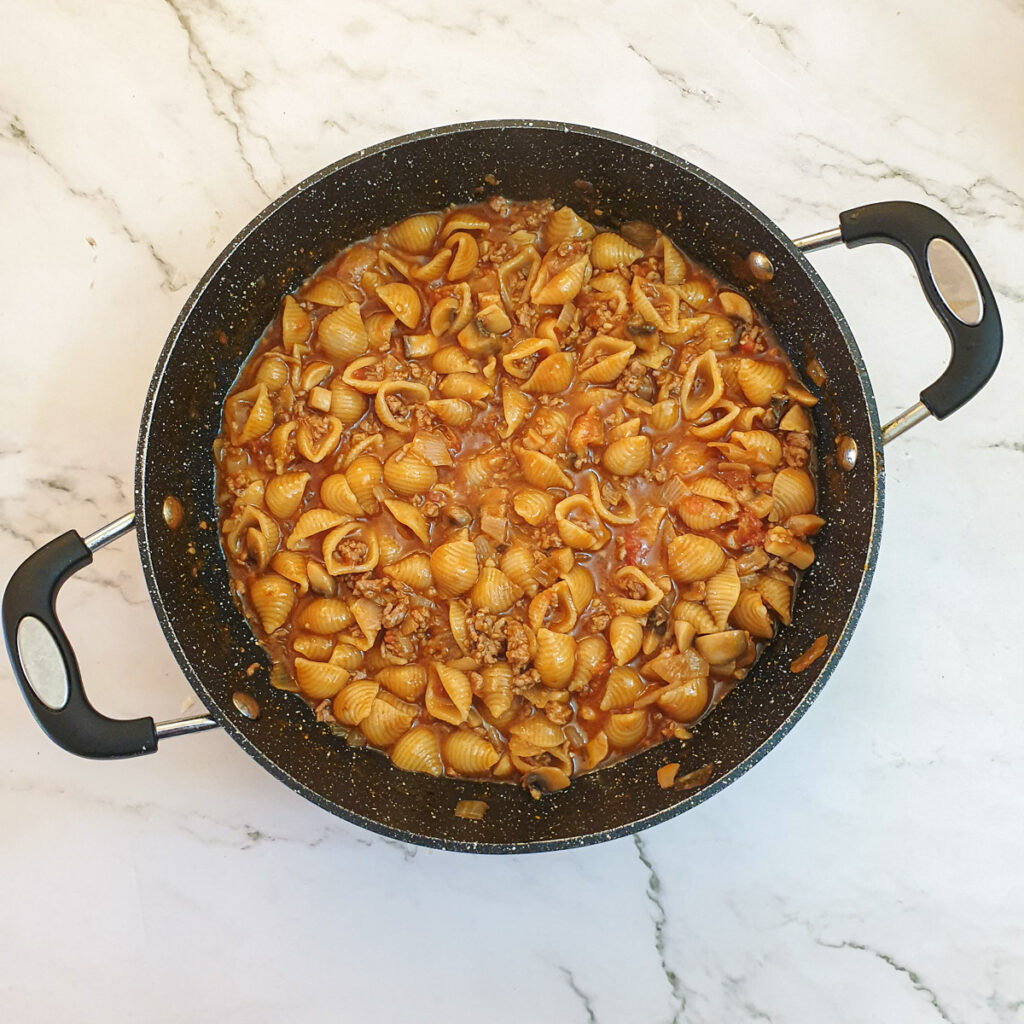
(510,497)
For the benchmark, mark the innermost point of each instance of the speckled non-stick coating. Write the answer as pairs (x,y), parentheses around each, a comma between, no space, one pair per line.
(186,572)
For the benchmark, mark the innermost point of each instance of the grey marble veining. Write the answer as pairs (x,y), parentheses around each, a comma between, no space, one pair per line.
(868,870)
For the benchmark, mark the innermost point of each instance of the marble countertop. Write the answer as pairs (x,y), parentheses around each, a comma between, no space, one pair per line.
(870,869)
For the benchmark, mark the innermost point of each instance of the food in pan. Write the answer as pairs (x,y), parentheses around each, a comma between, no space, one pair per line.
(510,496)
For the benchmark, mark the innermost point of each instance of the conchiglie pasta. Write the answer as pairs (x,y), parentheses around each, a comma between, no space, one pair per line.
(467,753)
(509,495)
(418,751)
(273,598)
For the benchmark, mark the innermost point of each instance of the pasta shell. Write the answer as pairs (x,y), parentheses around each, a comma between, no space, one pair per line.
(467,753)
(696,615)
(407,473)
(452,311)
(312,522)
(555,658)
(692,558)
(627,729)
(329,291)
(533,506)
(418,751)
(563,225)
(456,412)
(494,592)
(685,702)
(778,595)
(319,680)
(410,517)
(481,468)
(432,270)
(273,598)
(725,413)
(285,493)
(275,373)
(793,493)
(695,293)
(552,375)
(627,577)
(316,648)
(408,393)
(609,250)
(541,470)
(462,220)
(413,571)
(596,750)
(338,496)
(415,234)
(452,359)
(554,608)
(592,658)
(628,456)
(339,560)
(454,567)
(664,415)
(292,566)
(660,308)
(604,359)
(317,437)
(518,563)
(495,688)
(468,386)
(406,681)
(751,614)
(295,324)
(324,616)
(320,581)
(387,721)
(736,306)
(260,416)
(759,380)
(623,511)
(465,255)
(353,702)
(625,634)
(581,587)
(586,532)
(517,275)
(674,269)
(563,286)
(515,407)
(702,386)
(718,333)
(364,476)
(449,695)
(342,334)
(723,591)
(538,731)
(622,689)
(403,300)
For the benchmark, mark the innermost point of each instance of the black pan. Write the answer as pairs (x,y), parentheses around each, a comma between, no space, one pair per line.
(611,179)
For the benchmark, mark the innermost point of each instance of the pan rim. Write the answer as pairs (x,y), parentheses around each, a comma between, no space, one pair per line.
(165,362)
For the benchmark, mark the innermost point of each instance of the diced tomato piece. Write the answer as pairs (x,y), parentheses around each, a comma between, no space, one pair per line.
(749,529)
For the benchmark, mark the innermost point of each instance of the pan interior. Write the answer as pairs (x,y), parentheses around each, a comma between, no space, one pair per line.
(609,179)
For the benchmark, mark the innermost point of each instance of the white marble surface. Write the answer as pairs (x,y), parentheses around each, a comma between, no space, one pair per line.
(869,870)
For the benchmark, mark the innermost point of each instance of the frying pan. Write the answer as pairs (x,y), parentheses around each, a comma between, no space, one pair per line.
(611,179)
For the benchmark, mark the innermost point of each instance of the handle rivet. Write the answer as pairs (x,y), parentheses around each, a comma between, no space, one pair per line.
(760,266)
(846,452)
(246,704)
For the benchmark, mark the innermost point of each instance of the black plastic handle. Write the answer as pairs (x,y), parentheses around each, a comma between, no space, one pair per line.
(75,725)
(976,347)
